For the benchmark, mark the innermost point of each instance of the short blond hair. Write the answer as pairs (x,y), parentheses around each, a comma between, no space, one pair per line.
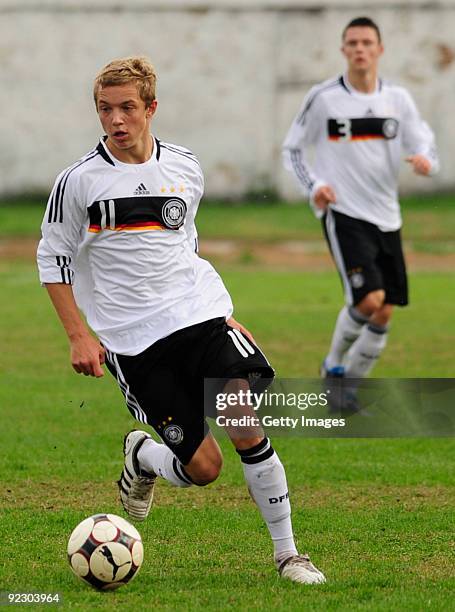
(135,69)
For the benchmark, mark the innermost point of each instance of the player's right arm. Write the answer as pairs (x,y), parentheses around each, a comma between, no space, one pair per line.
(87,354)
(305,131)
(62,228)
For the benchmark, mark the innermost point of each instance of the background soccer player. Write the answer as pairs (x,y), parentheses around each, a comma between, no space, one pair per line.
(359,124)
(119,241)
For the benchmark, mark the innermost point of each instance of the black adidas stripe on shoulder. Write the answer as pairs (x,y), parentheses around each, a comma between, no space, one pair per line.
(56,207)
(182,152)
(175,147)
(306,108)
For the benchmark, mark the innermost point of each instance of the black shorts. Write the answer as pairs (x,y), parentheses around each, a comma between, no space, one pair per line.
(367,258)
(164,385)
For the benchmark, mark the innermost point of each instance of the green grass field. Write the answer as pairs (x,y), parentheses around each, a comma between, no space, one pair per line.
(429,223)
(377,516)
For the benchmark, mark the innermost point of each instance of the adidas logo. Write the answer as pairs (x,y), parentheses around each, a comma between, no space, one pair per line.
(141,190)
(369,113)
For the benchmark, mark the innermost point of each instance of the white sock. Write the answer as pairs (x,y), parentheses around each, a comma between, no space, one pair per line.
(266,480)
(347,329)
(160,460)
(365,351)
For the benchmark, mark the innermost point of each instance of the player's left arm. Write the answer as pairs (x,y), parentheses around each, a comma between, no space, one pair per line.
(418,140)
(195,181)
(198,190)
(420,164)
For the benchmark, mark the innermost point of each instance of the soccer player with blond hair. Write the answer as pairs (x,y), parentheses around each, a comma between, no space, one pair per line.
(119,242)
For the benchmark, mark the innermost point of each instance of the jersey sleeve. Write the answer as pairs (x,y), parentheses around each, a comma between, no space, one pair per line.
(418,137)
(61,231)
(197,184)
(304,132)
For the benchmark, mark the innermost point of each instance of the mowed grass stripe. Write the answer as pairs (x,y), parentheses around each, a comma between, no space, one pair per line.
(57,494)
(291,315)
(429,221)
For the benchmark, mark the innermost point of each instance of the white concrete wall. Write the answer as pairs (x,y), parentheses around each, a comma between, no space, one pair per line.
(231,75)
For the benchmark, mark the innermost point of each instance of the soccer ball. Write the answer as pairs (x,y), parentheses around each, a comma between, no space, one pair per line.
(105,551)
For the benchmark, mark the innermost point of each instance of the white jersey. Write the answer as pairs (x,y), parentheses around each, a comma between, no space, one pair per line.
(358,140)
(124,234)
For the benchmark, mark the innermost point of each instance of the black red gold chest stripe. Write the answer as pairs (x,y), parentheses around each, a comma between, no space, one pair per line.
(363,128)
(137,213)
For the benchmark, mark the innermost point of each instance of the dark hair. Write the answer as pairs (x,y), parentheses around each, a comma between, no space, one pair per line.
(362,22)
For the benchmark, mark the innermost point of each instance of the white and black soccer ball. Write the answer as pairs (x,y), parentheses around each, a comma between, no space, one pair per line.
(105,551)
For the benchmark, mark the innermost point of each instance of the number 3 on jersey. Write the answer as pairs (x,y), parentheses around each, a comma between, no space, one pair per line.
(344,129)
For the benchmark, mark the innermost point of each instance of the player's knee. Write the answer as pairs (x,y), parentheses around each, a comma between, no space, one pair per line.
(383,315)
(372,302)
(204,472)
(206,475)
